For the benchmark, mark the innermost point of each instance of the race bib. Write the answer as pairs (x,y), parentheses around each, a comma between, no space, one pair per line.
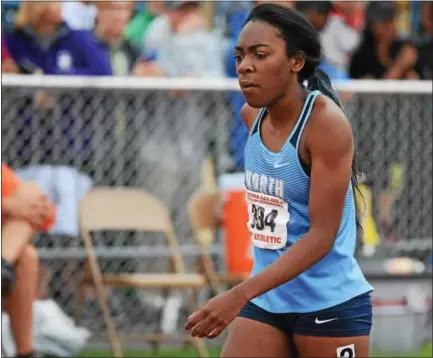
(268,219)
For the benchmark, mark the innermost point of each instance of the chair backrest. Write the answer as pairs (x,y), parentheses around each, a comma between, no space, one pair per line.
(123,209)
(202,211)
(128,209)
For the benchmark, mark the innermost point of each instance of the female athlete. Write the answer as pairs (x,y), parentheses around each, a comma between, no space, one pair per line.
(307,294)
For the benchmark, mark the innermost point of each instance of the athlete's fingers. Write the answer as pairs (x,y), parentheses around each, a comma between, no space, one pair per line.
(206,329)
(209,330)
(216,332)
(195,318)
(202,327)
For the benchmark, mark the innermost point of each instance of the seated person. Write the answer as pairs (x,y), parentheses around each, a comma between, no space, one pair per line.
(139,24)
(179,44)
(7,63)
(41,42)
(382,54)
(112,19)
(24,210)
(424,42)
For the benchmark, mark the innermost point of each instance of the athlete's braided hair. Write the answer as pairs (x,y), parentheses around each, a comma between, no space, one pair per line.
(301,37)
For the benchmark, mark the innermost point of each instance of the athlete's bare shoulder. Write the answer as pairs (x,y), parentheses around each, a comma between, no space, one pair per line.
(249,115)
(327,121)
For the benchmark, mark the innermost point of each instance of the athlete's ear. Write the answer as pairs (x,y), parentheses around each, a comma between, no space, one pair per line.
(297,62)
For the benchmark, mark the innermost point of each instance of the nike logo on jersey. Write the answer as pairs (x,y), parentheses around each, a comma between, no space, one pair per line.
(317,321)
(280,165)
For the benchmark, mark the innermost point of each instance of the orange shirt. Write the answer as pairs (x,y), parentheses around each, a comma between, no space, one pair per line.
(11,182)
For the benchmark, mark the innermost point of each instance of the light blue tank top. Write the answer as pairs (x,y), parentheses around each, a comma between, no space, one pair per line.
(277,195)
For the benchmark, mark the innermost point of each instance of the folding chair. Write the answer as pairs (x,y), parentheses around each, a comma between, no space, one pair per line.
(131,209)
(202,213)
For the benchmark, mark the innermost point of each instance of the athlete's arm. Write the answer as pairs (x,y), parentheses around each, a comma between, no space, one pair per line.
(249,115)
(329,142)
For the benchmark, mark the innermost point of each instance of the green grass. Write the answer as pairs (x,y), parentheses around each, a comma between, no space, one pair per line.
(214,352)
(425,352)
(178,353)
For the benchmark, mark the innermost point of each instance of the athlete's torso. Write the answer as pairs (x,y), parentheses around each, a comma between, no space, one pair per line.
(277,194)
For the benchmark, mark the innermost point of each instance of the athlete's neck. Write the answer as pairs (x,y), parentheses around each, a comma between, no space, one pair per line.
(285,111)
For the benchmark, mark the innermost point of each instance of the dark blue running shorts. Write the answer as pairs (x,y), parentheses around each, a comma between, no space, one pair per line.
(349,319)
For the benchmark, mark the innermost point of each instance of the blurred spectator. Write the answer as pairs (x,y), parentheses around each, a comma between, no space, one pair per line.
(8,12)
(381,53)
(8,64)
(113,16)
(41,42)
(353,12)
(79,15)
(284,3)
(237,12)
(341,36)
(423,33)
(338,36)
(424,42)
(179,43)
(315,11)
(137,27)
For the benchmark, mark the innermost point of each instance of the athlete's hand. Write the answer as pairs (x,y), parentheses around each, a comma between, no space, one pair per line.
(215,315)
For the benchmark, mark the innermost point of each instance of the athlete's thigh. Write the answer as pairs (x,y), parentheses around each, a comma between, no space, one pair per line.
(321,347)
(250,338)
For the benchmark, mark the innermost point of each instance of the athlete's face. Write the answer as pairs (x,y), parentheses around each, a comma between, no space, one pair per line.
(262,64)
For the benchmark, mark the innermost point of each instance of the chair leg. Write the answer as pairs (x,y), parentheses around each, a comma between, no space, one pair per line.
(200,347)
(102,298)
(165,292)
(191,305)
(80,295)
(155,345)
(79,302)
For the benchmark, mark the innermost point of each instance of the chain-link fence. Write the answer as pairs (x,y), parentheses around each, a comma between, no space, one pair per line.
(156,136)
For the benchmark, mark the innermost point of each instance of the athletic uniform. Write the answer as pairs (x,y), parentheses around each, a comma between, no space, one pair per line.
(331,298)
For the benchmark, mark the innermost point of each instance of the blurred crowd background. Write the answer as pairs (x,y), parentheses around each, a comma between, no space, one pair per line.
(71,138)
(383,40)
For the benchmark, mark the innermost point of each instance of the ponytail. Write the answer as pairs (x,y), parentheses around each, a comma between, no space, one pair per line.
(321,81)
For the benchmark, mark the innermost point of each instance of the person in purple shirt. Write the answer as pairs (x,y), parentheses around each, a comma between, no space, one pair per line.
(41,42)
